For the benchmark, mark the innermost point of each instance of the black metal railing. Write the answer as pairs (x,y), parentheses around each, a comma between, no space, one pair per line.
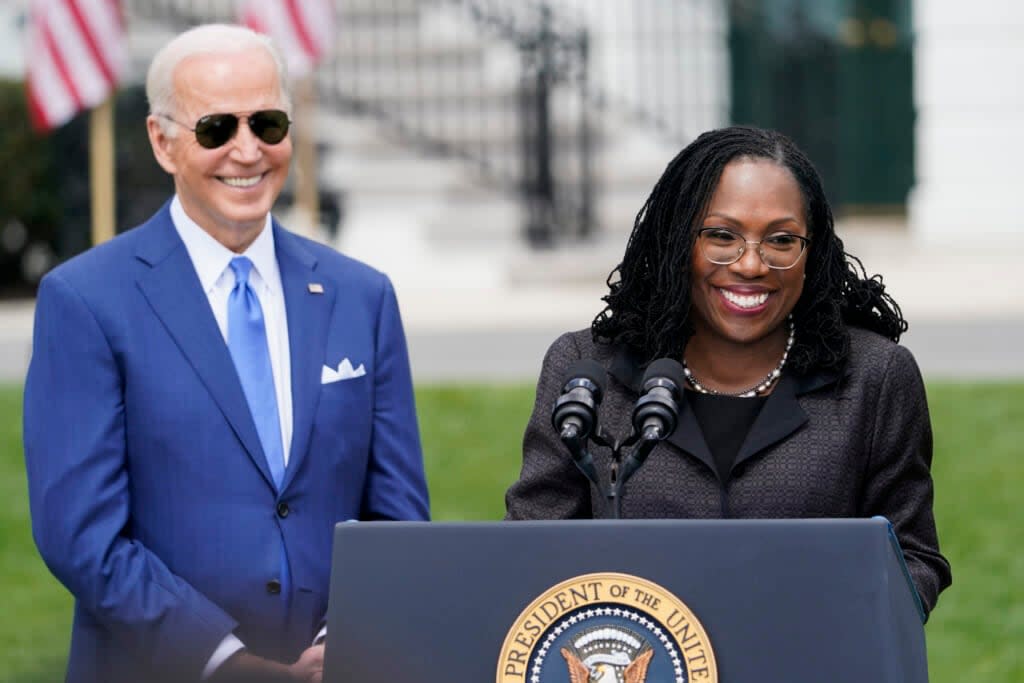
(555,130)
(526,90)
(661,65)
(501,85)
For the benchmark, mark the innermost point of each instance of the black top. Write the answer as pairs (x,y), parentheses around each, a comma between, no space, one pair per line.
(725,421)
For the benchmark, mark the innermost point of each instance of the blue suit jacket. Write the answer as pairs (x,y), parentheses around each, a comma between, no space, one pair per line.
(151,497)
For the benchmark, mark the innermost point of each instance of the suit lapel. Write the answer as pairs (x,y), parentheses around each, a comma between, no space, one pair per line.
(173,290)
(687,436)
(308,316)
(780,417)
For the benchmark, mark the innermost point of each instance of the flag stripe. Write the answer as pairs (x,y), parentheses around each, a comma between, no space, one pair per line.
(57,61)
(52,110)
(105,18)
(48,99)
(53,96)
(255,22)
(75,54)
(299,26)
(319,20)
(275,16)
(86,30)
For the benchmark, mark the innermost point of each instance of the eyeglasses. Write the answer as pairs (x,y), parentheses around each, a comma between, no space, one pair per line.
(780,251)
(215,130)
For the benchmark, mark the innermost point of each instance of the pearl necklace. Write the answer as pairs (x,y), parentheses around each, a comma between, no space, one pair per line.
(758,389)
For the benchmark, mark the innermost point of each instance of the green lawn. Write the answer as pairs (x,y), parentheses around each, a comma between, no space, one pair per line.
(471,441)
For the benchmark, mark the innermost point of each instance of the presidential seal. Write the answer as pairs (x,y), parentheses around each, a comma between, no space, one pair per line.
(607,628)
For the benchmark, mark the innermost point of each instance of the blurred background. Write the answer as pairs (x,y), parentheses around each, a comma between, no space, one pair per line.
(490,156)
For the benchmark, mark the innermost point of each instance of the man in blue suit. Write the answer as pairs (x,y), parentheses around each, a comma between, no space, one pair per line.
(209,394)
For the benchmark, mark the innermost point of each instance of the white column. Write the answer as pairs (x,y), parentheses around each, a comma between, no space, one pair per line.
(969,93)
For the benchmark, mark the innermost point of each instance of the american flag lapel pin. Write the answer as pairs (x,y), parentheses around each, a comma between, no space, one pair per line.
(316,288)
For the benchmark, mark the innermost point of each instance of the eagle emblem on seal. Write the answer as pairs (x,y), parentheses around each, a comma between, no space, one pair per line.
(608,654)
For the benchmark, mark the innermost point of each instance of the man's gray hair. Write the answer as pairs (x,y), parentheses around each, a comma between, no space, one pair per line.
(209,39)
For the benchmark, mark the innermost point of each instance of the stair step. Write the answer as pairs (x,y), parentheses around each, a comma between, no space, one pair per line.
(408,175)
(352,14)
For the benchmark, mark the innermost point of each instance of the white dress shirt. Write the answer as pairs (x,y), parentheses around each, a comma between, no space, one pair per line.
(211,260)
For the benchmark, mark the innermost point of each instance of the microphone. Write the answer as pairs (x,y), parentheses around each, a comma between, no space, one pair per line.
(575,412)
(657,412)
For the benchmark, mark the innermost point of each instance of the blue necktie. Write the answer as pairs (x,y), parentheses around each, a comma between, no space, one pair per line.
(247,342)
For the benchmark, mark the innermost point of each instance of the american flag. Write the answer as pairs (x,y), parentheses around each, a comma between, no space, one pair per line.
(303,29)
(76,55)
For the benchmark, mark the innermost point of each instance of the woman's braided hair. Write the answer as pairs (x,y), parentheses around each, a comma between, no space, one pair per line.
(648,304)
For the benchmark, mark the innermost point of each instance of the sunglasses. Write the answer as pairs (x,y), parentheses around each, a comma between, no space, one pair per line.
(215,130)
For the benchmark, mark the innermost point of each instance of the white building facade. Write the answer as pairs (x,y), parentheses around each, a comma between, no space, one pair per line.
(969,96)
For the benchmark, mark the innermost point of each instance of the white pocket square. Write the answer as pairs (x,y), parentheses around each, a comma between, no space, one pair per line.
(344,371)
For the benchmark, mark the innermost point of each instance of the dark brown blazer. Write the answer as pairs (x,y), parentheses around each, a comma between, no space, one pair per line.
(824,445)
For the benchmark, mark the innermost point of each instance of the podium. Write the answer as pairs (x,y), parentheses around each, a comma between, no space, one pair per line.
(800,601)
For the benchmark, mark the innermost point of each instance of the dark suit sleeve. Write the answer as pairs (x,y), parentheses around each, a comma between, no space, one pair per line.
(395,486)
(899,482)
(80,494)
(549,486)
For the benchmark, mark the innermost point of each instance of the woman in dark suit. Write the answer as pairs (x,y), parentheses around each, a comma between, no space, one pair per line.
(798,400)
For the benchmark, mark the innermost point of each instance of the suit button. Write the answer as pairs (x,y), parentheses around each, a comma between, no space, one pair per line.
(282,510)
(273,586)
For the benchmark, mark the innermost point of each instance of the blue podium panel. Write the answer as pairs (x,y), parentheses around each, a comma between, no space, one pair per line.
(779,600)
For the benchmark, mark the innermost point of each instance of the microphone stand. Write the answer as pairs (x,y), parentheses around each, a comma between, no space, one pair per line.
(621,470)
(615,480)
(654,417)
